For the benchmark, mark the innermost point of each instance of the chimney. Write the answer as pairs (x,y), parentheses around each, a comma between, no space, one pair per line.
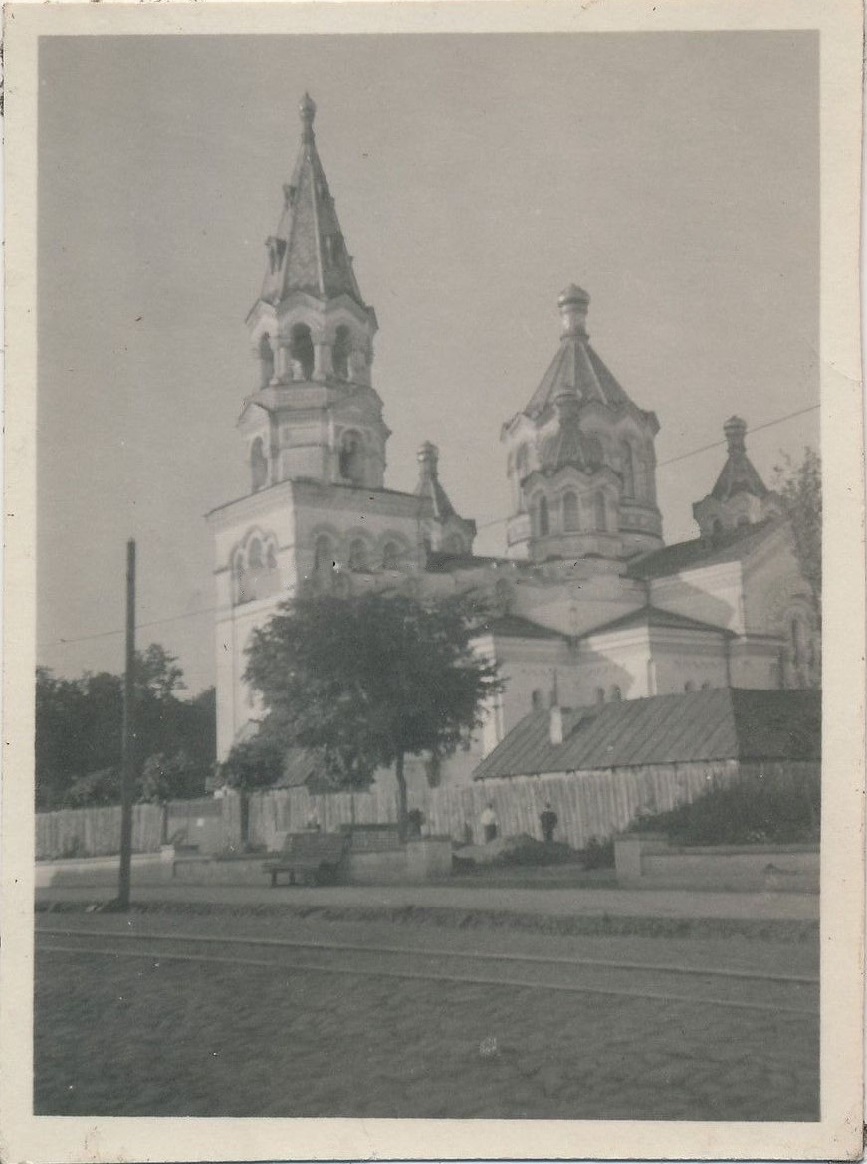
(555,725)
(555,717)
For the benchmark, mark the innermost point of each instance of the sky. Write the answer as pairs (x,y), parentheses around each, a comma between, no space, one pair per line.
(674,176)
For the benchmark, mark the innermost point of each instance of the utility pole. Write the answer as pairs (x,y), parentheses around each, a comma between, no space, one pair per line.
(128,736)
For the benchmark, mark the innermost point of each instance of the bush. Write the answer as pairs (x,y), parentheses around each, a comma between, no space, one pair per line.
(781,810)
(598,854)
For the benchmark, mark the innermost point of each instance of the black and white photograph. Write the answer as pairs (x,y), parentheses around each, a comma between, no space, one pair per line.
(428,709)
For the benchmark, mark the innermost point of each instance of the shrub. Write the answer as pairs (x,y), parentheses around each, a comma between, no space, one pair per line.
(777,809)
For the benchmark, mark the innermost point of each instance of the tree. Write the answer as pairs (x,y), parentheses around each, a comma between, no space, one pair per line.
(800,487)
(370,679)
(78,734)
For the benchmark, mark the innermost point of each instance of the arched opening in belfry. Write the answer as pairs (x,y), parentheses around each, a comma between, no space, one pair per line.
(599,515)
(351,457)
(258,465)
(570,512)
(266,361)
(544,519)
(301,352)
(627,458)
(340,352)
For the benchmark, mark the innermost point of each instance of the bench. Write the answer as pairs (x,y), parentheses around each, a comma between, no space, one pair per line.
(309,857)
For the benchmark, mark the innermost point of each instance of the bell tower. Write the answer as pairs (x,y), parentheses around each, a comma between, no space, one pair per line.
(313,413)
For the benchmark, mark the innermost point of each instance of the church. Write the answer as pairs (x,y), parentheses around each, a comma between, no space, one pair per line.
(592,606)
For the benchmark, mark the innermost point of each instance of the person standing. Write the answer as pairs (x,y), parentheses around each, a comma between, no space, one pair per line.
(548,821)
(490,824)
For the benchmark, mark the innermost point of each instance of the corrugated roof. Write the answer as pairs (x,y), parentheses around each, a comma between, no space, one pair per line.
(665,729)
(653,616)
(727,547)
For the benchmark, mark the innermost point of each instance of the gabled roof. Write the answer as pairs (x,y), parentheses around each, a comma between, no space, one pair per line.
(725,724)
(512,626)
(307,252)
(652,616)
(731,546)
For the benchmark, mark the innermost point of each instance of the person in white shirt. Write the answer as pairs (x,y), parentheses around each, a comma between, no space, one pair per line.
(490,824)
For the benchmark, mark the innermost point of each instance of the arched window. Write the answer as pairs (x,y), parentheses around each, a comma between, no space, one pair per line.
(522,461)
(689,685)
(254,555)
(323,555)
(266,360)
(256,573)
(357,555)
(627,460)
(340,352)
(301,352)
(391,556)
(538,699)
(600,694)
(570,511)
(593,452)
(238,572)
(351,458)
(258,464)
(599,516)
(544,521)
(616,694)
(271,557)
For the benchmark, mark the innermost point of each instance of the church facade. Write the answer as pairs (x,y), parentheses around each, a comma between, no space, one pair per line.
(591,603)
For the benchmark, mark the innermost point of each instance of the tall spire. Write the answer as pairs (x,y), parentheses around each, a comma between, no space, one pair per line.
(307,252)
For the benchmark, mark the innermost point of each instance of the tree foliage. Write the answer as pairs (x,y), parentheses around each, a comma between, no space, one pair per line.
(800,487)
(78,734)
(369,679)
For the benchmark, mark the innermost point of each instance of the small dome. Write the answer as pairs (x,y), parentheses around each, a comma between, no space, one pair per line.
(573,294)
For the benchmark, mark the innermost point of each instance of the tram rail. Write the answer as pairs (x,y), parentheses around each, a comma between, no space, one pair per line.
(654,981)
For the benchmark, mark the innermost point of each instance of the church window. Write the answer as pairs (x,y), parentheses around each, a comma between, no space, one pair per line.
(544,521)
(340,353)
(254,555)
(357,555)
(323,555)
(616,694)
(301,352)
(522,461)
(391,556)
(538,699)
(271,557)
(258,464)
(599,516)
(255,571)
(351,457)
(570,511)
(627,459)
(593,452)
(600,694)
(266,360)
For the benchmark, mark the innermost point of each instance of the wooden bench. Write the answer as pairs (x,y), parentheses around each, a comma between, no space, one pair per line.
(309,857)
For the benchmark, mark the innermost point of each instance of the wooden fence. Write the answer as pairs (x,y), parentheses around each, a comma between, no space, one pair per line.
(588,804)
(95,832)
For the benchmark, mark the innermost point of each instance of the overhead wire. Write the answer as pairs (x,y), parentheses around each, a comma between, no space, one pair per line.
(64,641)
